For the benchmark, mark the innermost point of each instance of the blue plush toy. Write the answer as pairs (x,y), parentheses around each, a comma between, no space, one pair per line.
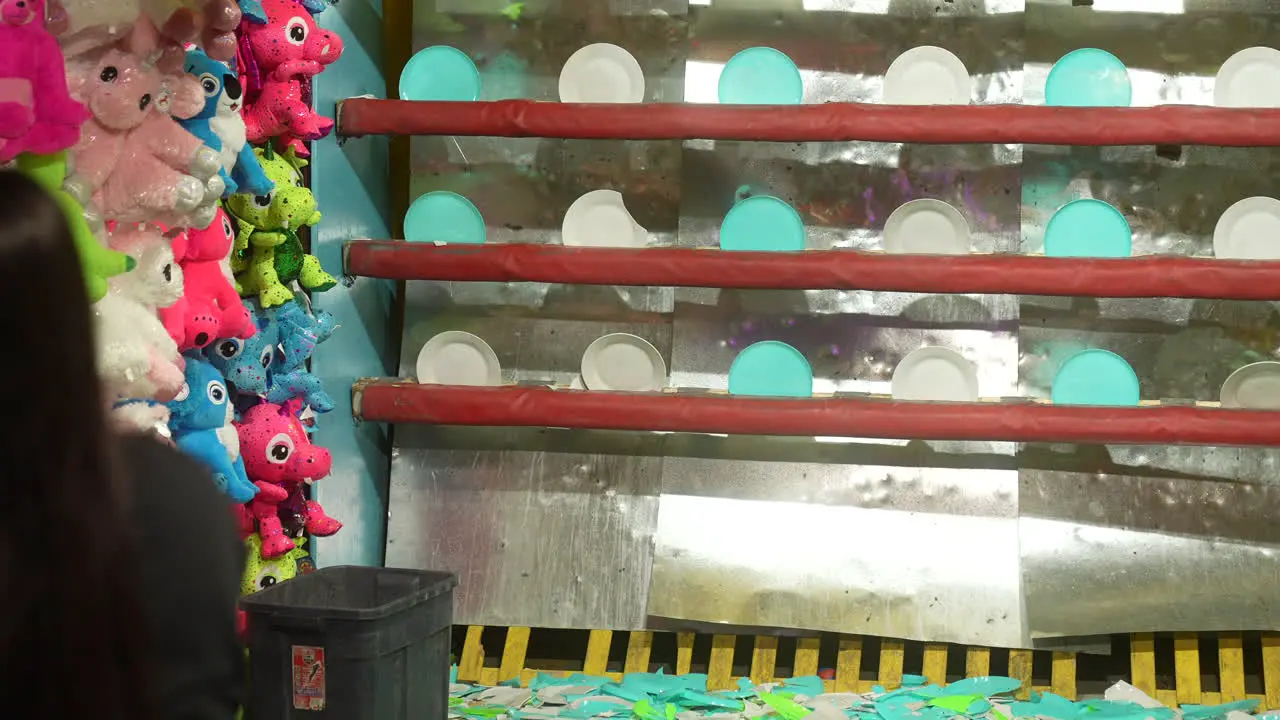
(220,125)
(252,9)
(246,363)
(199,419)
(298,334)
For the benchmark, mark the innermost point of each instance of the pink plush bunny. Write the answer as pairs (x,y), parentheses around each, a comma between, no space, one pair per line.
(211,308)
(37,114)
(276,58)
(133,161)
(279,458)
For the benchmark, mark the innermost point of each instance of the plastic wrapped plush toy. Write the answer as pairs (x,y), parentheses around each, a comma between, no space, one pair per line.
(86,25)
(37,114)
(269,255)
(282,48)
(260,573)
(281,460)
(211,308)
(220,126)
(96,261)
(197,415)
(134,161)
(299,333)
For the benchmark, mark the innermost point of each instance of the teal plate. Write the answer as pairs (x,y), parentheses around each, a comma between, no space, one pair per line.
(1088,228)
(1088,77)
(762,223)
(444,216)
(440,72)
(1096,377)
(760,76)
(771,369)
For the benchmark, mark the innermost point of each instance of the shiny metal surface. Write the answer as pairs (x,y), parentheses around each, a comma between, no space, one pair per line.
(973,543)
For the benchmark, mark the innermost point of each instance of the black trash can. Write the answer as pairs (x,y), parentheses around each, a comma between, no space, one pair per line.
(351,643)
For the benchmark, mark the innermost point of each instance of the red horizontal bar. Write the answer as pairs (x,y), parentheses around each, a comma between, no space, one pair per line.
(830,122)
(1144,276)
(402,402)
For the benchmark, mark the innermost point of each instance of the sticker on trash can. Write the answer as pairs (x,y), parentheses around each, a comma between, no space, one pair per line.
(308,677)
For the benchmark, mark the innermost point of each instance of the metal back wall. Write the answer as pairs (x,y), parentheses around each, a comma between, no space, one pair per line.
(970,543)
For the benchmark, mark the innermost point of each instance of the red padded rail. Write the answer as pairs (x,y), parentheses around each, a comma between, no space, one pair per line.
(830,122)
(1146,276)
(403,402)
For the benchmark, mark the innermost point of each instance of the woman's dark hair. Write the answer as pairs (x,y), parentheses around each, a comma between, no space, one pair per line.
(70,642)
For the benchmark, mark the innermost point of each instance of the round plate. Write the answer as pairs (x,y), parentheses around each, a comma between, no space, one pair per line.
(1088,77)
(624,363)
(600,219)
(926,227)
(771,369)
(935,374)
(1249,230)
(458,358)
(762,222)
(927,75)
(1253,387)
(440,72)
(602,73)
(760,76)
(1088,228)
(1096,377)
(1249,79)
(444,217)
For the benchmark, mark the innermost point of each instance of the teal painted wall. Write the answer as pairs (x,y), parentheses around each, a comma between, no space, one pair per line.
(350,183)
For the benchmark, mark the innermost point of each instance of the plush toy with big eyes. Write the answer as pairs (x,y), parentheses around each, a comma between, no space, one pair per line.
(260,573)
(220,126)
(196,416)
(268,254)
(247,363)
(37,113)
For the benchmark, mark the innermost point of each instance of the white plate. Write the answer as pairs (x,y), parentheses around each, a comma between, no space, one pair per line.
(927,75)
(601,219)
(1249,230)
(602,73)
(458,358)
(624,363)
(1250,78)
(1253,387)
(935,374)
(926,227)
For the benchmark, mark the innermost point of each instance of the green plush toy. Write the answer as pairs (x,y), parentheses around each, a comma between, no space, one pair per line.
(97,261)
(268,254)
(261,574)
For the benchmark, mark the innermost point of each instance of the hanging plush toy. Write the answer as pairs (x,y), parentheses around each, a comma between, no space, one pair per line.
(87,25)
(279,455)
(246,363)
(299,333)
(269,255)
(37,114)
(281,48)
(97,262)
(260,574)
(134,161)
(211,307)
(197,415)
(220,126)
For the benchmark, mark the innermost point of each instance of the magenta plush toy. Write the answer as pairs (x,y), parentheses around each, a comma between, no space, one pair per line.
(277,58)
(135,162)
(211,308)
(280,459)
(37,114)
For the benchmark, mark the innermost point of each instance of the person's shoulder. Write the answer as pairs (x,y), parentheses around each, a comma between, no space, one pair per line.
(157,469)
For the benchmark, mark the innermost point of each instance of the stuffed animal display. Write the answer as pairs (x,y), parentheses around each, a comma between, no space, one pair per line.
(172,135)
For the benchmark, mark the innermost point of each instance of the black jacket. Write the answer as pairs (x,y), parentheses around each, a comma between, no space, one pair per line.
(192,560)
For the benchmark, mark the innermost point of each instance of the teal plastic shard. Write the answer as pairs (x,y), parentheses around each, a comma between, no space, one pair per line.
(985,686)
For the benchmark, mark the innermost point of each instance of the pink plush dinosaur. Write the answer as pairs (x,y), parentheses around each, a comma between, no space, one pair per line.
(280,459)
(277,58)
(133,161)
(211,308)
(37,114)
